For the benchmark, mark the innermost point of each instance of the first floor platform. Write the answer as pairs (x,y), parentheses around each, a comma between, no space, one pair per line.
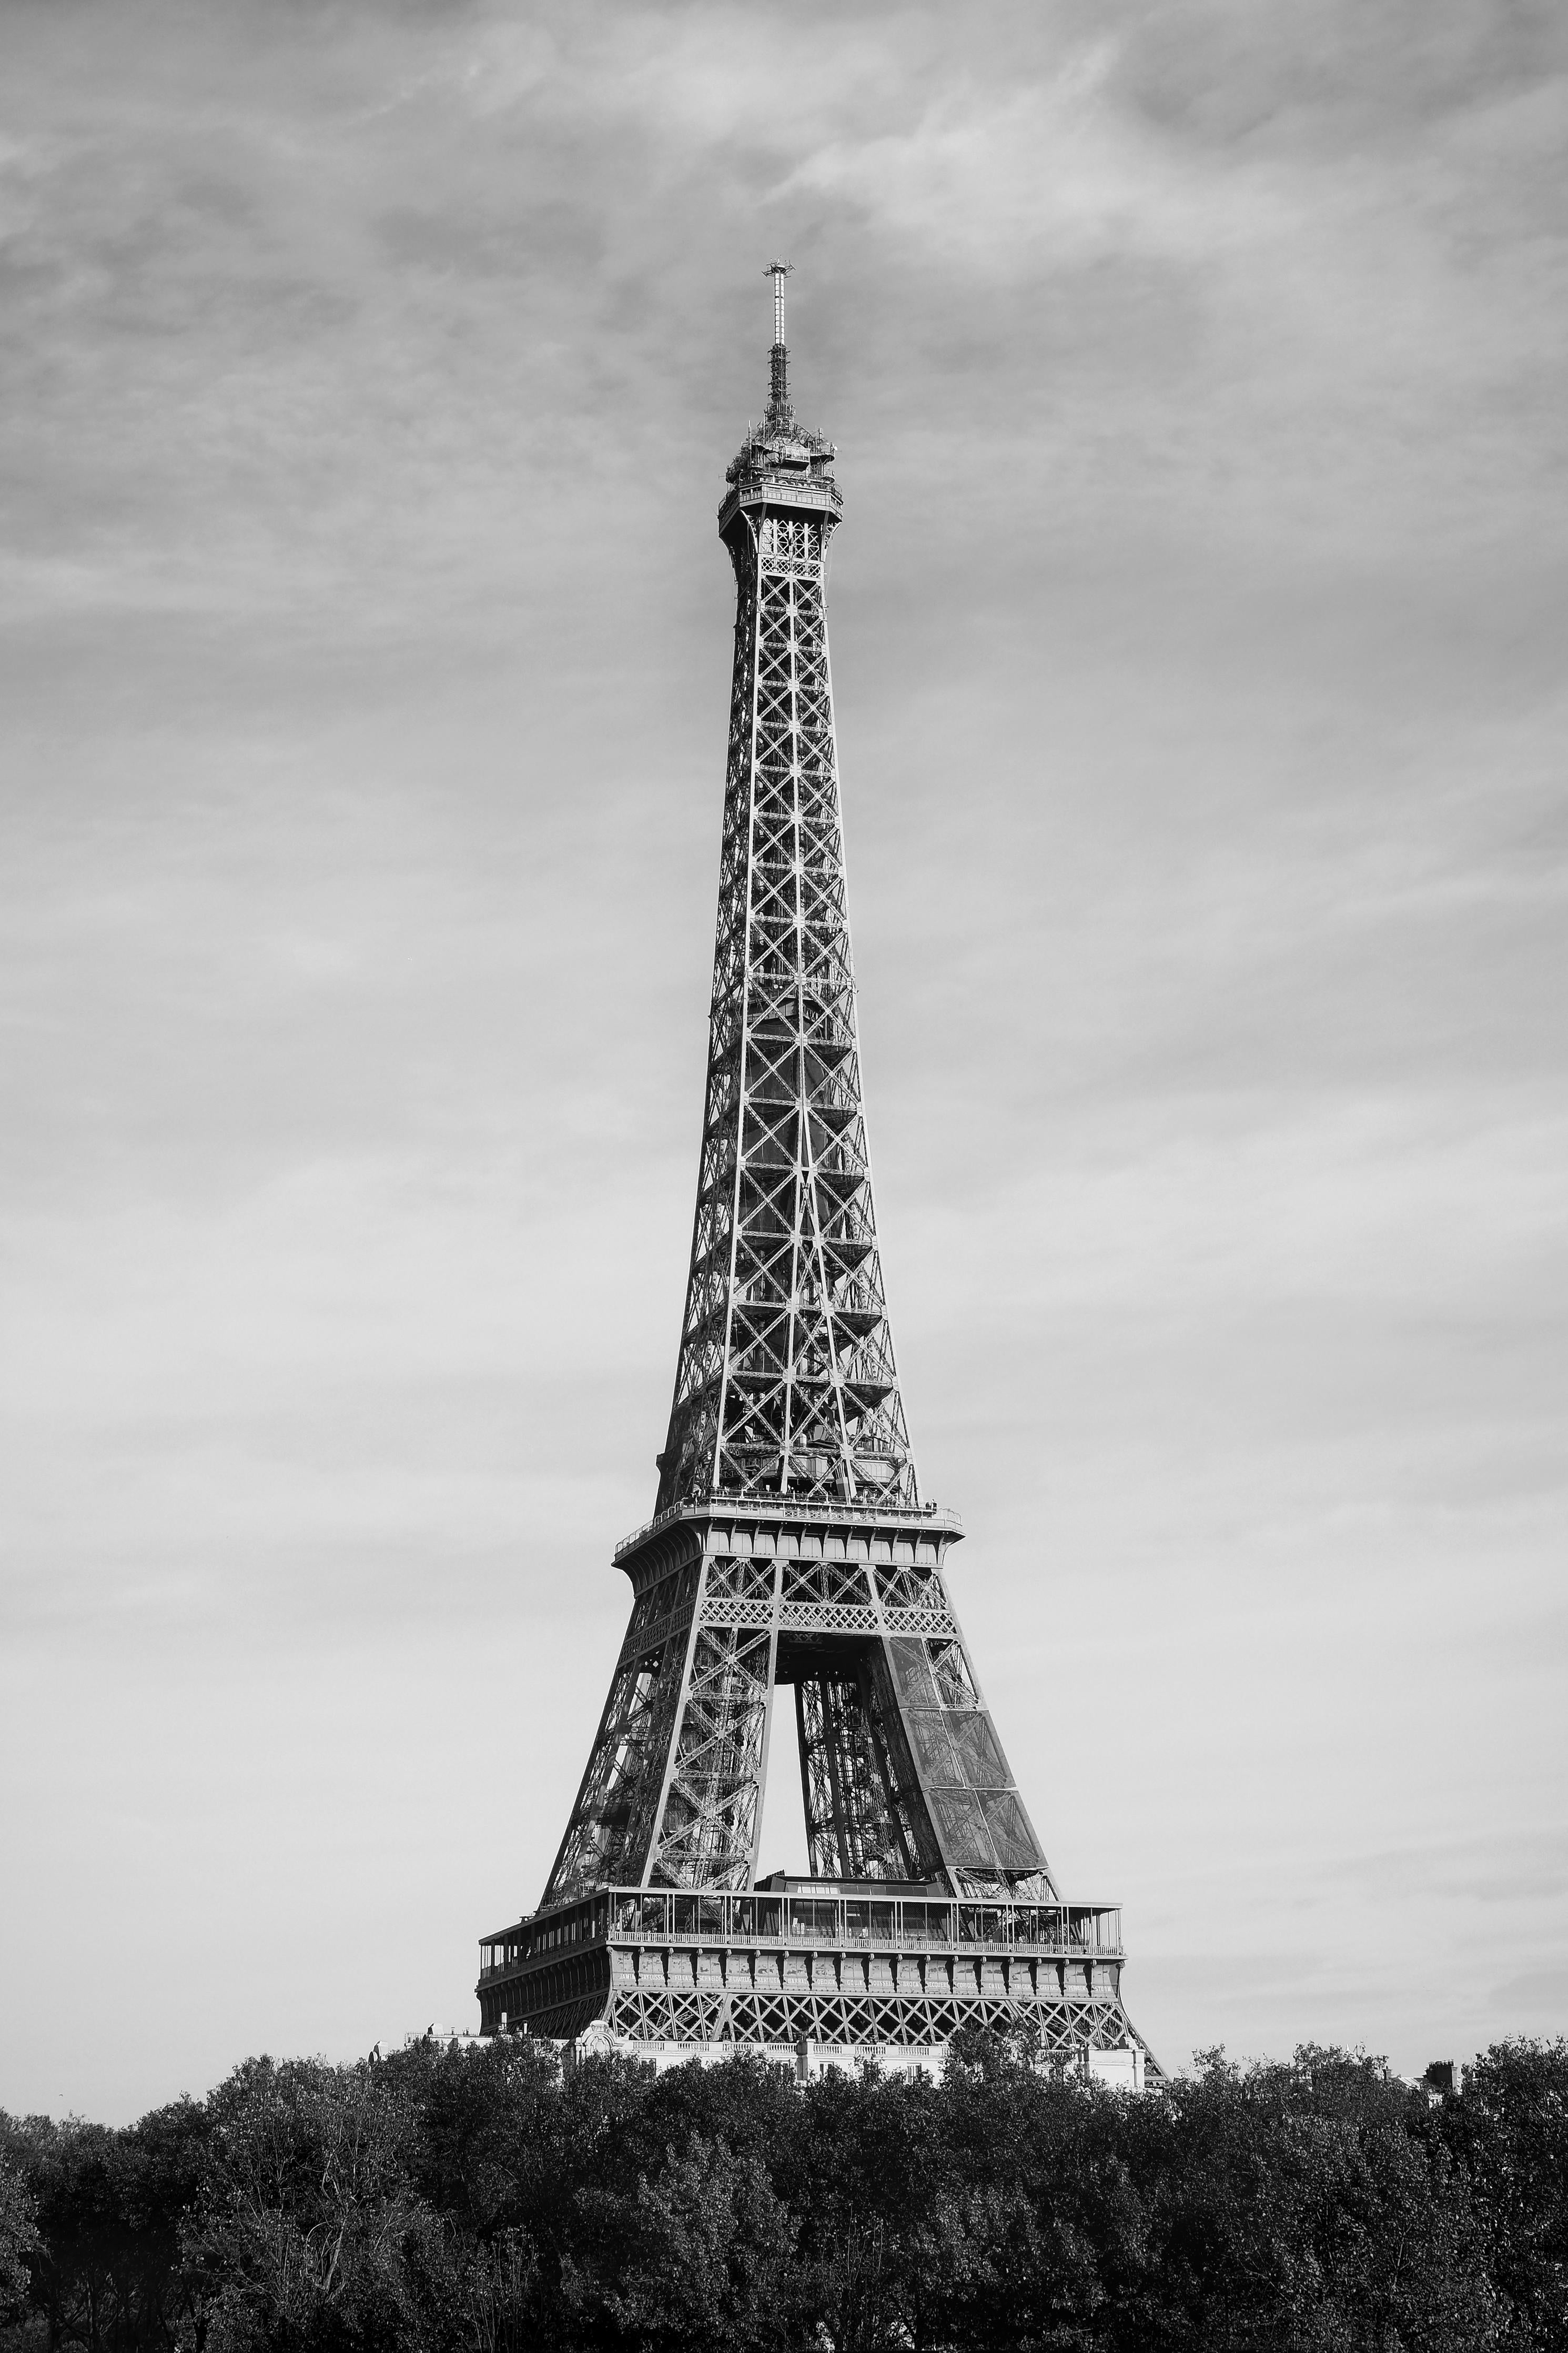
(850,1969)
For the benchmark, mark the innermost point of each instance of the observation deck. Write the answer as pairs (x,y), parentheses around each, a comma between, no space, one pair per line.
(780,464)
(793,1527)
(859,1966)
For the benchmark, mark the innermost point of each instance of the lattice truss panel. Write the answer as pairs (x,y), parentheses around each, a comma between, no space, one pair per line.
(859,2021)
(786,1385)
(708,1835)
(852,2001)
(786,1382)
(904,1774)
(865,1815)
(618,1803)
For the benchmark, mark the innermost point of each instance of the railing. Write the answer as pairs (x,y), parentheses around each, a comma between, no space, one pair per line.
(773,1507)
(791,1916)
(783,490)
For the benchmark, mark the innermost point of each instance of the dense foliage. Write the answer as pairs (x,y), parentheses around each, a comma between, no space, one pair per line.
(438,2199)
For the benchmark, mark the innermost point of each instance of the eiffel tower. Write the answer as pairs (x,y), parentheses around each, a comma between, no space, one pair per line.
(790,1546)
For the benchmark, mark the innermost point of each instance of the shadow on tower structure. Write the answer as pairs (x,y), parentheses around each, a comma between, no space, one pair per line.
(790,1547)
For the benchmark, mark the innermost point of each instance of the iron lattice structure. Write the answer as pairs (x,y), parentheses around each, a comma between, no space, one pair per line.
(873,1968)
(790,1544)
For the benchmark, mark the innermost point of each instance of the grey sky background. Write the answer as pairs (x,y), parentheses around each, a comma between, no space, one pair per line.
(1198,633)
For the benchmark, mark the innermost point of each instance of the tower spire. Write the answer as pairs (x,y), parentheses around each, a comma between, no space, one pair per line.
(778,384)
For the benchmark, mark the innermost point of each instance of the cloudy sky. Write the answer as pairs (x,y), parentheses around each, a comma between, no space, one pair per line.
(1198,629)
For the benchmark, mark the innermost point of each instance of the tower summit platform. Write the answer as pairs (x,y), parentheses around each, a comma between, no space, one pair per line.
(791,1546)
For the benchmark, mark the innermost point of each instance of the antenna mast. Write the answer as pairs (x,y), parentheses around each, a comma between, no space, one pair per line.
(778,387)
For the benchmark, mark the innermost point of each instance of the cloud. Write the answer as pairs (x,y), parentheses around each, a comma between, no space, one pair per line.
(1197,636)
(1053,176)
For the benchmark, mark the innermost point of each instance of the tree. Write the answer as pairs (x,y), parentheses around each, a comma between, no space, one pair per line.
(697,2261)
(1304,2206)
(1508,2128)
(496,2202)
(308,2229)
(105,2271)
(19,2238)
